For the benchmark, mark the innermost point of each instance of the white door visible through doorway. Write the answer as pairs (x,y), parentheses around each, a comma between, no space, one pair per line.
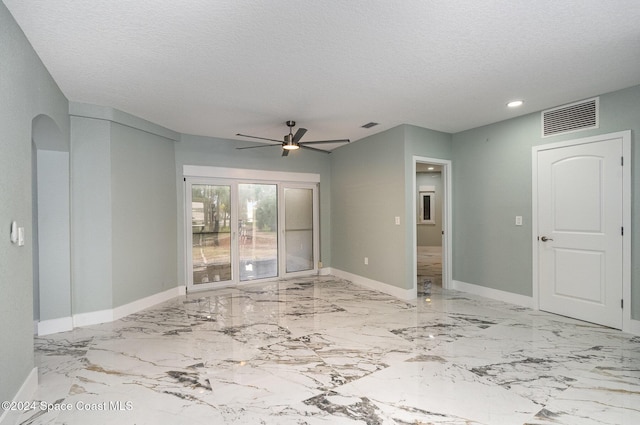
(580,226)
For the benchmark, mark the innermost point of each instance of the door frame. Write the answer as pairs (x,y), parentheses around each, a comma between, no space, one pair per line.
(282,257)
(626,216)
(222,175)
(447,256)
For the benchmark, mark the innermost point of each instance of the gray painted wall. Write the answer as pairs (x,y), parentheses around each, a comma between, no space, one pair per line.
(53,235)
(492,184)
(373,183)
(196,150)
(366,195)
(91,205)
(27,91)
(124,209)
(143,193)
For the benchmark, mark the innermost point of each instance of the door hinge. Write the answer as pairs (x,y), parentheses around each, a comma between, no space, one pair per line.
(621,303)
(622,231)
(622,161)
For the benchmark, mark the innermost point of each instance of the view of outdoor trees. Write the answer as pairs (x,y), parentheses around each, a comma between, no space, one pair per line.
(211,231)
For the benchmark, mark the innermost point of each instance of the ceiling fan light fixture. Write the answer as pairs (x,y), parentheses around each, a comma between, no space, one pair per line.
(289,144)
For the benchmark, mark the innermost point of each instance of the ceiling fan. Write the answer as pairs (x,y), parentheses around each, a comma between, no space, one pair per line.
(292,141)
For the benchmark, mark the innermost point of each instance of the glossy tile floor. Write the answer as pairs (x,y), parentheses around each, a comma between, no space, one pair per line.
(324,351)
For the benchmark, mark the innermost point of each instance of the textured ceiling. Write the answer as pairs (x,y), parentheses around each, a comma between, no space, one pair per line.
(217,68)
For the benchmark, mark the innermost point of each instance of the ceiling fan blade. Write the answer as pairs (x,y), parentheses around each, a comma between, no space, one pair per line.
(256,137)
(259,146)
(285,152)
(313,149)
(301,131)
(317,142)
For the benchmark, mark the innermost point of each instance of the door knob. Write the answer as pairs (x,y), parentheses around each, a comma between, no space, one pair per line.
(544,239)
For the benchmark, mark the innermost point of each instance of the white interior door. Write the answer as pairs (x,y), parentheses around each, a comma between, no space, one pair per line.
(580,219)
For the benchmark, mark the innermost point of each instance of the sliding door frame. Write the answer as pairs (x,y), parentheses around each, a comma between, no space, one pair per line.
(314,187)
(193,174)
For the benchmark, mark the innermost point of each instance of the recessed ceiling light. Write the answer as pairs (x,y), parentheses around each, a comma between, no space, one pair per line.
(370,124)
(515,103)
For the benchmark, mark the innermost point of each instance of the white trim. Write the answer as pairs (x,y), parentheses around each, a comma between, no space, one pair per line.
(245,173)
(632,327)
(25,393)
(628,324)
(496,294)
(447,220)
(110,315)
(627,321)
(52,326)
(403,294)
(92,318)
(150,301)
(325,271)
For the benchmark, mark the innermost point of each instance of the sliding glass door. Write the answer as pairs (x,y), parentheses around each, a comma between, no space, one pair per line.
(299,229)
(258,231)
(211,233)
(240,231)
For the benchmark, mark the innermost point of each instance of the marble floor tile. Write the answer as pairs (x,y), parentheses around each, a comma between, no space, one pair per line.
(321,350)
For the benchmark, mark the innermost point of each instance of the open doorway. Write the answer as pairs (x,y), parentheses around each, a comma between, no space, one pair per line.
(432,209)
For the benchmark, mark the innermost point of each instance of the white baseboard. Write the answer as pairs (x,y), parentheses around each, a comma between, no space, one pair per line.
(495,294)
(25,393)
(93,318)
(633,327)
(52,326)
(105,316)
(63,324)
(325,271)
(138,305)
(403,294)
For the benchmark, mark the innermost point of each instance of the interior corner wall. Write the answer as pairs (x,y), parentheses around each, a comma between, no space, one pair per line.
(214,152)
(123,208)
(91,211)
(143,220)
(492,184)
(27,91)
(367,193)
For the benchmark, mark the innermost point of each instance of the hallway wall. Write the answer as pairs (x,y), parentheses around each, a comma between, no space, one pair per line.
(27,91)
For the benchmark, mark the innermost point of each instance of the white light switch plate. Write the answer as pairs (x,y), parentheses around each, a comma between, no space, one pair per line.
(518,220)
(397,220)
(20,236)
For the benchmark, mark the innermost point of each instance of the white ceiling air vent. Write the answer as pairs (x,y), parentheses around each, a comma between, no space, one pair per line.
(577,116)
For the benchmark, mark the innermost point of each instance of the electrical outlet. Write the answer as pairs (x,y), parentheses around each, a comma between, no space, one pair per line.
(366,260)
(319,264)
